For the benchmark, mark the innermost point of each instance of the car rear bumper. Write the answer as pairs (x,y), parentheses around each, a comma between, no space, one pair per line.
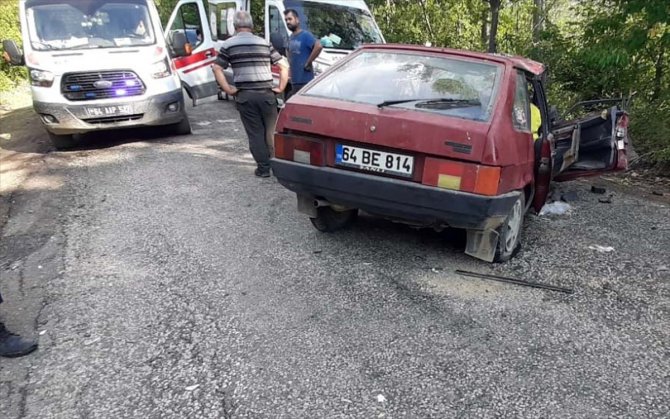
(72,118)
(394,198)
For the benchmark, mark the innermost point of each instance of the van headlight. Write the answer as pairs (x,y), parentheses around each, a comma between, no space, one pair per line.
(41,78)
(160,69)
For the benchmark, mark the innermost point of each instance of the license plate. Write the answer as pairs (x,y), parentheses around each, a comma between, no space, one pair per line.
(373,160)
(109,110)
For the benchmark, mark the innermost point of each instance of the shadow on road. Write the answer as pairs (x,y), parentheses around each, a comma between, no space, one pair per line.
(22,132)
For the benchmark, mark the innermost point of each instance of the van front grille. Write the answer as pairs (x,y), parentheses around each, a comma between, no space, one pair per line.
(111,119)
(101,85)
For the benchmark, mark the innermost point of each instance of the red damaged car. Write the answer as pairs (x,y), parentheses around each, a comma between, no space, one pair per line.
(437,138)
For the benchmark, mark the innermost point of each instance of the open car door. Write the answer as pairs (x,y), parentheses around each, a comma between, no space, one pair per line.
(592,144)
(579,147)
(193,48)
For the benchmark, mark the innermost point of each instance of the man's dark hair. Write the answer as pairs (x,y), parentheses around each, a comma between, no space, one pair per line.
(293,12)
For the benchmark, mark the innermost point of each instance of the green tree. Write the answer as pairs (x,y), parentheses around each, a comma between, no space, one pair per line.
(10,29)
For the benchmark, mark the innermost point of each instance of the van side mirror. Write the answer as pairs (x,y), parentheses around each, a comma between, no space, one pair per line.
(13,54)
(278,42)
(180,46)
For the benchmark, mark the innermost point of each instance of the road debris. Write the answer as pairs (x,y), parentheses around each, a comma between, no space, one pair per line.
(515,281)
(598,190)
(381,398)
(91,341)
(570,196)
(601,249)
(193,387)
(556,208)
(657,193)
(606,200)
(42,332)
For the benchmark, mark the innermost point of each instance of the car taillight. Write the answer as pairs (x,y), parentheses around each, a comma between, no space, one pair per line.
(300,150)
(621,131)
(465,177)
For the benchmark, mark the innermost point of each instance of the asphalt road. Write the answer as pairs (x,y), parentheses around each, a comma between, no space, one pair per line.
(163,279)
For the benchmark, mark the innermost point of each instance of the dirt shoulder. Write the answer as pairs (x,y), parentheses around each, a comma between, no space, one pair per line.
(23,143)
(643,183)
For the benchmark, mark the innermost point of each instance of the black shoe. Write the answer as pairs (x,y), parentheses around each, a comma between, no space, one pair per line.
(262,173)
(12,346)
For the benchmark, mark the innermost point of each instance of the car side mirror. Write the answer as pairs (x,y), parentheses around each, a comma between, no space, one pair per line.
(13,54)
(180,45)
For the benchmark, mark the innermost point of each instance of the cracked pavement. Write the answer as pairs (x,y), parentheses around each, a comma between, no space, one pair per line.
(163,279)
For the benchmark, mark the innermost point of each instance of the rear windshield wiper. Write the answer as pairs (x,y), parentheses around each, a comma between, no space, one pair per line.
(397,102)
(431,102)
(449,102)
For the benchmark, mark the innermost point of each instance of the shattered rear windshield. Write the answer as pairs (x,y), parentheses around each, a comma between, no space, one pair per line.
(447,86)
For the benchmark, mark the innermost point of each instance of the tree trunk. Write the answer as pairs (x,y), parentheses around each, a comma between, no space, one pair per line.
(658,76)
(388,13)
(485,33)
(538,18)
(427,19)
(495,15)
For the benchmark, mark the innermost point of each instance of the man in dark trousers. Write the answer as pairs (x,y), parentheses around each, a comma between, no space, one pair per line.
(11,345)
(251,58)
(303,48)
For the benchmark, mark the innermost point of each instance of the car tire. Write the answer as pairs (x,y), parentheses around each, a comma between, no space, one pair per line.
(328,220)
(62,142)
(509,233)
(182,128)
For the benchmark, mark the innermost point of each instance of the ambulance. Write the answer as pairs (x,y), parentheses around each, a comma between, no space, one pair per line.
(340,25)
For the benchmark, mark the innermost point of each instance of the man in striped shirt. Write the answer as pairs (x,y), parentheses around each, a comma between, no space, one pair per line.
(251,58)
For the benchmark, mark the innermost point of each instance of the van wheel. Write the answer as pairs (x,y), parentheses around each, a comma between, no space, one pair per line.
(62,142)
(182,128)
(329,220)
(510,231)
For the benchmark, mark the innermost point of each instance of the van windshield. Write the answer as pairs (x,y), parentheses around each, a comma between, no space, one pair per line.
(336,26)
(86,24)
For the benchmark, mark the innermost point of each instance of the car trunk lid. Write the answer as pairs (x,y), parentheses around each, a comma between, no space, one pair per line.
(407,131)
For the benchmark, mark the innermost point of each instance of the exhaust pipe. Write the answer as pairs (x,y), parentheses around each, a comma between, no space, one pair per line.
(321,203)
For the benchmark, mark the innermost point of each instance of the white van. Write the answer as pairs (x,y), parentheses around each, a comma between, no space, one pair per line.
(98,64)
(106,64)
(341,25)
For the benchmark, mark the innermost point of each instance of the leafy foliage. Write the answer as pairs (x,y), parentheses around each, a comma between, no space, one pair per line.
(595,48)
(10,29)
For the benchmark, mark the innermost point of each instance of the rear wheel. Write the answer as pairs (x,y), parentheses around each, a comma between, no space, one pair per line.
(62,142)
(510,231)
(329,220)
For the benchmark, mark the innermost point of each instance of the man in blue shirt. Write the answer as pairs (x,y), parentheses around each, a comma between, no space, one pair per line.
(303,48)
